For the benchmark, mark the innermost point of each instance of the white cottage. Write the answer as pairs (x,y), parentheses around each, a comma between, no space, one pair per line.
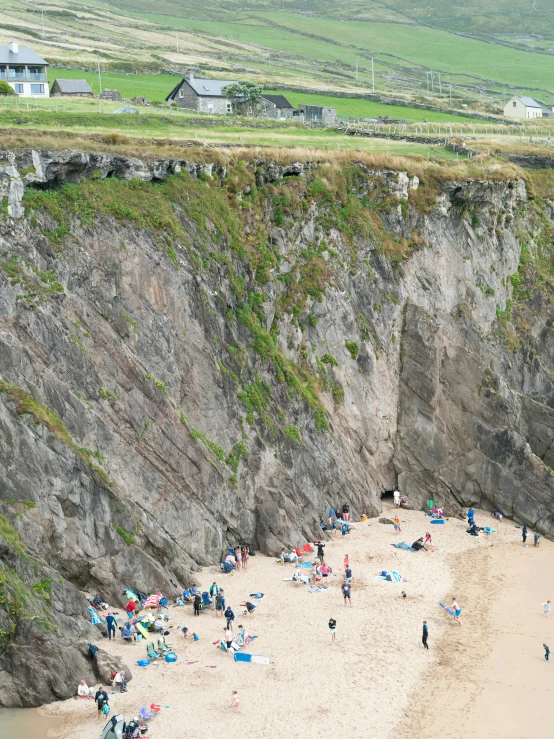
(24,70)
(522,107)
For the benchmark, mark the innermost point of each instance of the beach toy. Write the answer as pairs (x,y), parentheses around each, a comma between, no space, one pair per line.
(438,520)
(255,658)
(143,662)
(447,609)
(171,657)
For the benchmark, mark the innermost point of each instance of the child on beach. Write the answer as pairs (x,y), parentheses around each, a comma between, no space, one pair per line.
(546,652)
(428,539)
(236,702)
(457,611)
(396,522)
(546,607)
(333,630)
(346,562)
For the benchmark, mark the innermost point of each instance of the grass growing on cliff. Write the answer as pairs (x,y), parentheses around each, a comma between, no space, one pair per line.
(25,403)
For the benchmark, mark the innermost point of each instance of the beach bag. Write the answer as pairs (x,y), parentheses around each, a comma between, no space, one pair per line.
(105,709)
(92,650)
(251,552)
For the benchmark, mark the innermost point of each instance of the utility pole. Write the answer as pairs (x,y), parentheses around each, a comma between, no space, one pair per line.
(42,12)
(269,58)
(372,75)
(177,41)
(427,78)
(432,82)
(451,93)
(99,77)
(440,86)
(356,71)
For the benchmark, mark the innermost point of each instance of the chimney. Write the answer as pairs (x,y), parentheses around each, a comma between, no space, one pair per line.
(189,75)
(14,47)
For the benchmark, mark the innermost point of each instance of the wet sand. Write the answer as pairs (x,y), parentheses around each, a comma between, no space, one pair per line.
(377,680)
(27,723)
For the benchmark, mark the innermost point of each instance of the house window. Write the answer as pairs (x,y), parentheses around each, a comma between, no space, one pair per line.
(229,109)
(210,108)
(514,104)
(181,93)
(37,73)
(37,89)
(19,89)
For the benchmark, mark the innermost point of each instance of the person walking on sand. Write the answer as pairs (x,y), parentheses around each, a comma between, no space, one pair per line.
(101,697)
(425,635)
(546,607)
(235,702)
(456,610)
(320,552)
(228,637)
(111,623)
(346,590)
(333,630)
(230,616)
(396,498)
(536,539)
(546,652)
(346,561)
(396,523)
(524,533)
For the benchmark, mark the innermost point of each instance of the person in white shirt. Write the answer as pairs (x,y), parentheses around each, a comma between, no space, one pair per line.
(83,690)
(396,496)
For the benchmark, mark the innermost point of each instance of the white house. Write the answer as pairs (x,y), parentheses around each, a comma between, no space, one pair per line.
(522,107)
(24,70)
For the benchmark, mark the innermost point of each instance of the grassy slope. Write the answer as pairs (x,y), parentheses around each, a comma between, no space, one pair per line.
(357,108)
(152,86)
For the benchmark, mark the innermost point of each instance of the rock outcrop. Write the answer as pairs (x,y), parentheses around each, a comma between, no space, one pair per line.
(195,355)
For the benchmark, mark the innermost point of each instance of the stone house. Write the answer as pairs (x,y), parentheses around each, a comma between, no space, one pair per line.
(521,106)
(204,96)
(318,114)
(24,70)
(277,106)
(77,88)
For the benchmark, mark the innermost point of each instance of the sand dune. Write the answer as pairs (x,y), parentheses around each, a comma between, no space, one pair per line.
(377,680)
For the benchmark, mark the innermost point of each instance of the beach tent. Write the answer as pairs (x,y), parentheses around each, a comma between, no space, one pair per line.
(114,727)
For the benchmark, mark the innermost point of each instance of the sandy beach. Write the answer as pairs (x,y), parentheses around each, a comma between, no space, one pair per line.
(485,678)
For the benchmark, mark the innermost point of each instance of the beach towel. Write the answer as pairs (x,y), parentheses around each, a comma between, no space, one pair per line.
(256,595)
(305,564)
(94,616)
(153,600)
(403,545)
(488,530)
(318,588)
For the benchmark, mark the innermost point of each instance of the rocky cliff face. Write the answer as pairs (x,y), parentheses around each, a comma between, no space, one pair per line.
(197,355)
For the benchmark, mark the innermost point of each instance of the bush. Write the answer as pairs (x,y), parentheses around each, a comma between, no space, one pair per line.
(353,348)
(6,89)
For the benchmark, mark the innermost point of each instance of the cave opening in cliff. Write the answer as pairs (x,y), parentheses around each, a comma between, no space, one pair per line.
(387,495)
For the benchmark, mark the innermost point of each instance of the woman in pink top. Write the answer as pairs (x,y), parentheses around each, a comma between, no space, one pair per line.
(346,562)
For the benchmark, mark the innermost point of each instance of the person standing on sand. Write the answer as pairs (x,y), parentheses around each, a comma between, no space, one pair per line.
(346,561)
(111,623)
(282,556)
(346,589)
(546,607)
(537,539)
(396,497)
(101,698)
(320,552)
(546,652)
(524,533)
(236,702)
(230,616)
(228,637)
(425,635)
(396,523)
(456,610)
(345,512)
(333,630)
(244,552)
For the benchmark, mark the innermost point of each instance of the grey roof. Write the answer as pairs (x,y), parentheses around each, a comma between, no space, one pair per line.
(279,101)
(209,88)
(529,102)
(23,56)
(74,86)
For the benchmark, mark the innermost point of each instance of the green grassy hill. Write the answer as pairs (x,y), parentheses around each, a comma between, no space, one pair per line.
(435,51)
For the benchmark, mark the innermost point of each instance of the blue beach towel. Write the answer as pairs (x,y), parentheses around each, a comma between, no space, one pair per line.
(403,545)
(390,576)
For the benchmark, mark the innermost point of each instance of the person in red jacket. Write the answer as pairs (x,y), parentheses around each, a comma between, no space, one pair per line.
(130,608)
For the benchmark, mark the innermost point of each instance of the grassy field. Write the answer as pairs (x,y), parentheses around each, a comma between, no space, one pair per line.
(358,108)
(155,87)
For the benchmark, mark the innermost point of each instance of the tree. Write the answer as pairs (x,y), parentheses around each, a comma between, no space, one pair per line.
(244,97)
(6,89)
